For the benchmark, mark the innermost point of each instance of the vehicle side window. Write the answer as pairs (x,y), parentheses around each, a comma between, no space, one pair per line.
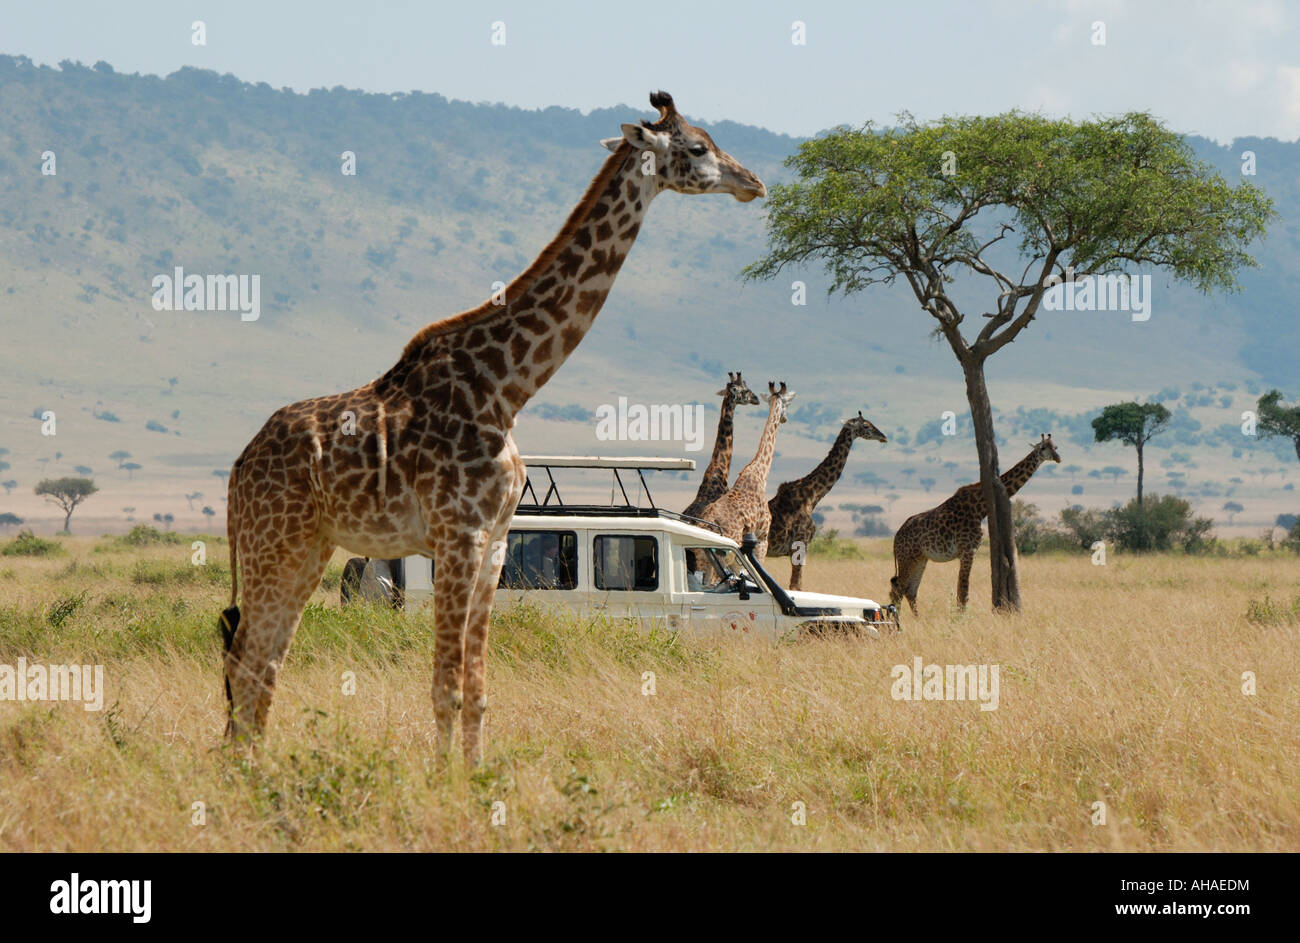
(540,560)
(716,570)
(627,563)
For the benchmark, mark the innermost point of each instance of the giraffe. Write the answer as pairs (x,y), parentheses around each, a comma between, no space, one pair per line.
(743,509)
(714,484)
(793,505)
(953,529)
(422,459)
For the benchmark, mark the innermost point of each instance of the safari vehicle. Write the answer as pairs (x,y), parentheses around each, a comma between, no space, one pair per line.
(635,561)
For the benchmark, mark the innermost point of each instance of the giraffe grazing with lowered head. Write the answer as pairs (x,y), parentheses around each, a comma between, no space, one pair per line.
(953,529)
(792,506)
(714,483)
(422,460)
(743,509)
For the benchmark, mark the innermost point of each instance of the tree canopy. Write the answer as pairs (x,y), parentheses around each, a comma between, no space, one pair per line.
(1098,197)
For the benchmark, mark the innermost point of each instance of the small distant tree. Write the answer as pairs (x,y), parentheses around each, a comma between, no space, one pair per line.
(83,470)
(1133,424)
(222,473)
(67,493)
(209,513)
(1233,509)
(131,468)
(165,520)
(8,520)
(9,485)
(1278,419)
(927,484)
(119,456)
(1072,470)
(191,498)
(1114,471)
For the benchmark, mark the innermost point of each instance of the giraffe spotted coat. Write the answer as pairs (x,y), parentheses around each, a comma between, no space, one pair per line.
(421,460)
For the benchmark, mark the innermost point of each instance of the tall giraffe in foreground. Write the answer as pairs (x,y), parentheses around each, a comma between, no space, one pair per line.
(743,509)
(792,507)
(421,460)
(953,529)
(714,483)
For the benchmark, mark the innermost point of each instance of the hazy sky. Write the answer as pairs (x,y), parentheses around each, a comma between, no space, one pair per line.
(1219,69)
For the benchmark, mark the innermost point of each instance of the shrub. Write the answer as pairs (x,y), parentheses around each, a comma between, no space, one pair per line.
(27,544)
(1028,526)
(142,535)
(1085,526)
(1161,523)
(828,543)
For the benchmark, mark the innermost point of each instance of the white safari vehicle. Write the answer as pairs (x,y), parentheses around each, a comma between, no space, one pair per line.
(637,562)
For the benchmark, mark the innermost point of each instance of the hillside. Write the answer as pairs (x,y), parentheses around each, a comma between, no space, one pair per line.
(215,175)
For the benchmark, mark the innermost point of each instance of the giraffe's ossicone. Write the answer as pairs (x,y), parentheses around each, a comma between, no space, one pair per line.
(421,460)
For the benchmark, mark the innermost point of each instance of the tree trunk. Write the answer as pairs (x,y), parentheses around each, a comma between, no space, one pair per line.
(67,521)
(1139,448)
(1002,537)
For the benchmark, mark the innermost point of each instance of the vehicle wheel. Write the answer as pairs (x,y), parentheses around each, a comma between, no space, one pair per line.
(350,585)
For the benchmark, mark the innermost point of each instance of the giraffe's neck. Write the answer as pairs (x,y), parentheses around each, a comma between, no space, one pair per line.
(1014,478)
(715,476)
(515,346)
(817,483)
(753,477)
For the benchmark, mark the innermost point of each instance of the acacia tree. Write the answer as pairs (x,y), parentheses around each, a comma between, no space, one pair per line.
(1278,419)
(67,493)
(933,202)
(1133,424)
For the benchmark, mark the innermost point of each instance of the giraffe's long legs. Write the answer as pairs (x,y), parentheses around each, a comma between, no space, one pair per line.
(908,581)
(963,577)
(796,575)
(476,635)
(277,582)
(459,559)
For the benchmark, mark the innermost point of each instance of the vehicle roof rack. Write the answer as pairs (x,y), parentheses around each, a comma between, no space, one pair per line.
(611,510)
(600,461)
(618,464)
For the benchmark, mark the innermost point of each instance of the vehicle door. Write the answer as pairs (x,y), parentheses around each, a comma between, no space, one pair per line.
(628,579)
(714,581)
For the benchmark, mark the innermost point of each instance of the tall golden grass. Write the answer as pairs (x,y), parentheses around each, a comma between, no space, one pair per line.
(1120,684)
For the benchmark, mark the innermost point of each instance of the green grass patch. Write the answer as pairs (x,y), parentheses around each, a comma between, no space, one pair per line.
(27,544)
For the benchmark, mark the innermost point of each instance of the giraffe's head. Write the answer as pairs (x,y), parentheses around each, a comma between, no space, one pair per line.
(1046,450)
(685,157)
(863,428)
(738,391)
(779,399)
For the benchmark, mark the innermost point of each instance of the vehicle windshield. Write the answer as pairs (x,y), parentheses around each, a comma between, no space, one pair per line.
(717,570)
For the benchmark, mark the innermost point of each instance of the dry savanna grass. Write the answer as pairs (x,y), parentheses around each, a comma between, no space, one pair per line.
(1119,684)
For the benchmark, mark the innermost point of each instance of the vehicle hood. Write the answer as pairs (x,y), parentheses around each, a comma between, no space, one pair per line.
(825,601)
